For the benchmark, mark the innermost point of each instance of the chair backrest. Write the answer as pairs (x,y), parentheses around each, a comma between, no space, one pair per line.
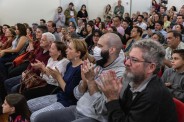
(179,109)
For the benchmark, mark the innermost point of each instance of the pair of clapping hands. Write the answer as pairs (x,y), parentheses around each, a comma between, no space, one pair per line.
(109,84)
(53,72)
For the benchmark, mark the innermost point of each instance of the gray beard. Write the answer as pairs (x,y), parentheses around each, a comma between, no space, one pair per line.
(130,77)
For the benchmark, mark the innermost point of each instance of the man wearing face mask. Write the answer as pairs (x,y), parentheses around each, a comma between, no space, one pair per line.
(91,101)
(59,18)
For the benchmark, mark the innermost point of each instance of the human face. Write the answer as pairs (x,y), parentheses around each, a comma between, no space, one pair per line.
(53,51)
(179,20)
(177,62)
(156,17)
(4,29)
(124,25)
(158,27)
(43,42)
(135,66)
(116,22)
(139,19)
(155,37)
(50,28)
(28,31)
(38,33)
(17,30)
(134,33)
(7,109)
(59,10)
(8,33)
(172,41)
(178,28)
(89,28)
(165,18)
(71,52)
(96,37)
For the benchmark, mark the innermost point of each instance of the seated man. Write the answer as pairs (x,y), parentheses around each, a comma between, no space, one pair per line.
(173,77)
(145,99)
(91,104)
(174,42)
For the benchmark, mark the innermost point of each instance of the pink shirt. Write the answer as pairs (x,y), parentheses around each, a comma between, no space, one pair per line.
(121,30)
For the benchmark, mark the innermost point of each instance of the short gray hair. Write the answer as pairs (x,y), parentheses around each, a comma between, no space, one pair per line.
(153,52)
(50,37)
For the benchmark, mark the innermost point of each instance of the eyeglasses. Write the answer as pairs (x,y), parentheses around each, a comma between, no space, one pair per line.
(134,60)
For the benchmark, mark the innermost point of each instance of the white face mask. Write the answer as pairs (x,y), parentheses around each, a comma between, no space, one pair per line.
(97,53)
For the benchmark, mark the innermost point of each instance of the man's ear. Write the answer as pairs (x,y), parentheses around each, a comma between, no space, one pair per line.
(12,109)
(112,50)
(151,68)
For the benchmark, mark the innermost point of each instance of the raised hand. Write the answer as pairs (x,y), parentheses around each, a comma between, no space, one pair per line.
(110,85)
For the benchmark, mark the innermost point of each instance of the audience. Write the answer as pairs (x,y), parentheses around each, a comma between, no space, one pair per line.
(145,99)
(91,101)
(92,88)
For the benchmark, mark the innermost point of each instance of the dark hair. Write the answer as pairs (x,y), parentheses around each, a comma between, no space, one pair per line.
(90,23)
(43,28)
(182,28)
(160,23)
(62,48)
(118,18)
(114,28)
(53,24)
(180,15)
(102,25)
(174,8)
(160,36)
(141,16)
(106,8)
(26,24)
(99,19)
(19,102)
(83,6)
(180,52)
(1,30)
(30,29)
(71,4)
(43,20)
(168,17)
(6,25)
(176,34)
(139,29)
(22,29)
(97,31)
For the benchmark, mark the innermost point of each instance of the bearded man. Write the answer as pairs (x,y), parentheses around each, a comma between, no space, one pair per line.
(145,99)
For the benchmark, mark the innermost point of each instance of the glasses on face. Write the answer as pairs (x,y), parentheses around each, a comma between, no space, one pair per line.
(134,60)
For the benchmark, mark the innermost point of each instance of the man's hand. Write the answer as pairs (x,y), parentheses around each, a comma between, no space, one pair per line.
(110,85)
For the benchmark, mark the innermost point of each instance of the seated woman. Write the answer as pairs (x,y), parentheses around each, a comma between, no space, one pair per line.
(31,51)
(10,34)
(76,51)
(57,60)
(18,47)
(16,107)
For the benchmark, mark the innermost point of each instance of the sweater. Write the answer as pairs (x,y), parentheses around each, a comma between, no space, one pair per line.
(72,78)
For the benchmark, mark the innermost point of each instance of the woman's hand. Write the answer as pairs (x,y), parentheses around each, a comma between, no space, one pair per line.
(55,73)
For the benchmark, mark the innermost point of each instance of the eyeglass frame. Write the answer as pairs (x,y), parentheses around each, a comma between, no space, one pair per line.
(134,60)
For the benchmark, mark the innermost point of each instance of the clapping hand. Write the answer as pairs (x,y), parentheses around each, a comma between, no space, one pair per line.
(38,65)
(110,85)
(54,73)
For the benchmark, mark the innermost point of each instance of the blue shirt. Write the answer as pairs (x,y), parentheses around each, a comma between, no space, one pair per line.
(72,78)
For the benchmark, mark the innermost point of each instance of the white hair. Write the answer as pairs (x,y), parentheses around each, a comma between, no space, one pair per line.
(50,37)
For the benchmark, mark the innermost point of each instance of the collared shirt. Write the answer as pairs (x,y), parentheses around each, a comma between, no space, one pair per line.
(142,25)
(169,51)
(141,87)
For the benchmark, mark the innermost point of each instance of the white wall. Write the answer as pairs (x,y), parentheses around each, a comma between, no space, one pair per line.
(177,3)
(29,11)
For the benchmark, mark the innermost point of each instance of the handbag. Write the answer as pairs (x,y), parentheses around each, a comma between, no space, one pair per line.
(30,81)
(20,59)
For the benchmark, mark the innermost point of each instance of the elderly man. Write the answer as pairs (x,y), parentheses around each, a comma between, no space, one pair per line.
(174,42)
(145,99)
(91,104)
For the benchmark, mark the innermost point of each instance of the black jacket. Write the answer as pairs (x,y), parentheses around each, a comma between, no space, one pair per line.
(153,104)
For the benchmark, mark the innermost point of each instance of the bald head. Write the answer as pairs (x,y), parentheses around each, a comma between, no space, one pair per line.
(113,40)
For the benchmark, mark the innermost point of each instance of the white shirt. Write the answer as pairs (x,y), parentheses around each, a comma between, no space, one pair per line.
(60,65)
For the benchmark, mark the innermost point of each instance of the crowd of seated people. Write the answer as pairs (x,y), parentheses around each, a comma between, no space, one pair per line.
(119,67)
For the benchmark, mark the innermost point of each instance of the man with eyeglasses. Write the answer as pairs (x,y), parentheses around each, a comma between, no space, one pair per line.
(145,99)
